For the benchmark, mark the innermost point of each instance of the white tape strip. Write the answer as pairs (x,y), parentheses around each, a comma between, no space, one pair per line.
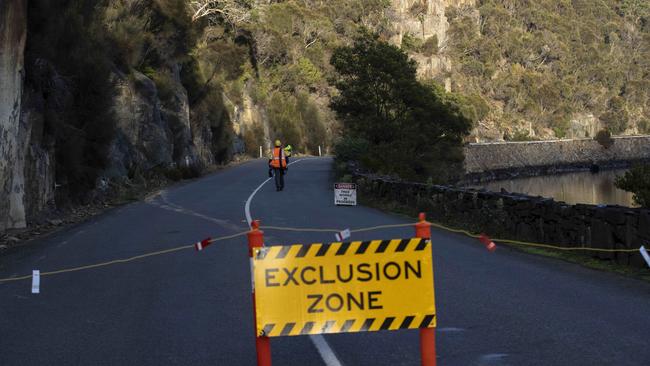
(36,281)
(645,255)
(198,246)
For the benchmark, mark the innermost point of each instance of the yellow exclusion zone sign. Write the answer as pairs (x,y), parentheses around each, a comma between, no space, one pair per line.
(344,287)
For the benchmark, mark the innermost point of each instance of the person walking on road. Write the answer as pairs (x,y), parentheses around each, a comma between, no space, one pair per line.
(278,163)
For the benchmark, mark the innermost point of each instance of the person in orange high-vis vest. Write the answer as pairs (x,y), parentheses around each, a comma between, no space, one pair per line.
(278,163)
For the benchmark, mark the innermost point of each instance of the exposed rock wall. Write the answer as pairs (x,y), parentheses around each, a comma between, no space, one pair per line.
(520,217)
(13,24)
(424,19)
(38,152)
(142,138)
(480,158)
(154,134)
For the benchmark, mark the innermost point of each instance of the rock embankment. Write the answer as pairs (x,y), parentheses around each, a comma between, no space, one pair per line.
(506,159)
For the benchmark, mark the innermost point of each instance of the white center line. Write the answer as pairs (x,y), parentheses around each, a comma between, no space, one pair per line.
(323,348)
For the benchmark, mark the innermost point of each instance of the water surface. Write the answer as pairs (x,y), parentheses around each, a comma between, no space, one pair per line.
(572,188)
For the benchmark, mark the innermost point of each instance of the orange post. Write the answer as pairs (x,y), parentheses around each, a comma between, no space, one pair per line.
(262,343)
(427,335)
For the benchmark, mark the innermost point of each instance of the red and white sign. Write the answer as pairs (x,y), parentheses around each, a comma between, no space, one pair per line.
(199,246)
(345,194)
(342,235)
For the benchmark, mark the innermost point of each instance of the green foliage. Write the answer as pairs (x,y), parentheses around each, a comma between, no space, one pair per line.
(297,120)
(616,118)
(430,46)
(637,181)
(644,126)
(544,61)
(518,135)
(411,43)
(350,148)
(314,130)
(253,139)
(604,138)
(284,119)
(413,130)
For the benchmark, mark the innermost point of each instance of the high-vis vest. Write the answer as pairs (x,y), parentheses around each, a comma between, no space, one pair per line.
(278,160)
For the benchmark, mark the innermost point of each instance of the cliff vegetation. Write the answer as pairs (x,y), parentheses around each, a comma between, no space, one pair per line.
(545,65)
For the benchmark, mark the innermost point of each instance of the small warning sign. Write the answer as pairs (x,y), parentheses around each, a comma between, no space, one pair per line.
(345,194)
(344,287)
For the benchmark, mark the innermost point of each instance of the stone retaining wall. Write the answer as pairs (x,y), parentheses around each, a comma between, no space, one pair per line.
(526,218)
(519,156)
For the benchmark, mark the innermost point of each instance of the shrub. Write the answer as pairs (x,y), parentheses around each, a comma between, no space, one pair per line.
(410,43)
(637,181)
(430,46)
(284,119)
(253,139)
(351,148)
(604,138)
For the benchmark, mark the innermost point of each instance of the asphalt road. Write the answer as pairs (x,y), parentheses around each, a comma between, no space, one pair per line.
(189,308)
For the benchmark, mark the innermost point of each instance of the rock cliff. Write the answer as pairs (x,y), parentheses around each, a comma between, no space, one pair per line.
(426,20)
(13,25)
(151,133)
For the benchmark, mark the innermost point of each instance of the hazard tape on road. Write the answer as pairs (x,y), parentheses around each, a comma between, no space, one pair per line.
(457,231)
(123,260)
(200,246)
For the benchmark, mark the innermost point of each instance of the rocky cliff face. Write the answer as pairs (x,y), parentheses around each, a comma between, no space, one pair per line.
(153,133)
(426,20)
(13,24)
(142,139)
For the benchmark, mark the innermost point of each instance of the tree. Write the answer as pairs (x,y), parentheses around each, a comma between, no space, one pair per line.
(412,129)
(604,138)
(637,181)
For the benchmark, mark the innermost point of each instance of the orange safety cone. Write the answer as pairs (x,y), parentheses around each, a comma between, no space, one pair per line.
(489,244)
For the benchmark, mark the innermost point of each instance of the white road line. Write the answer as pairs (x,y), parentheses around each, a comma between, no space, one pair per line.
(326,352)
(247,208)
(323,348)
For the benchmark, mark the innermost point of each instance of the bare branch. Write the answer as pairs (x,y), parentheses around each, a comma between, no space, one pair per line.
(233,11)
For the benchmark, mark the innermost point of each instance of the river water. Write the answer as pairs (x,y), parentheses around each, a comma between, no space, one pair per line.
(572,188)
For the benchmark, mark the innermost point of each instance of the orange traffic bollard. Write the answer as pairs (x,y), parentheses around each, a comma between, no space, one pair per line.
(489,244)
(262,343)
(427,335)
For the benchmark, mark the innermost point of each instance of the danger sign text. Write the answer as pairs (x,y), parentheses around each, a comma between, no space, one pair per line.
(345,194)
